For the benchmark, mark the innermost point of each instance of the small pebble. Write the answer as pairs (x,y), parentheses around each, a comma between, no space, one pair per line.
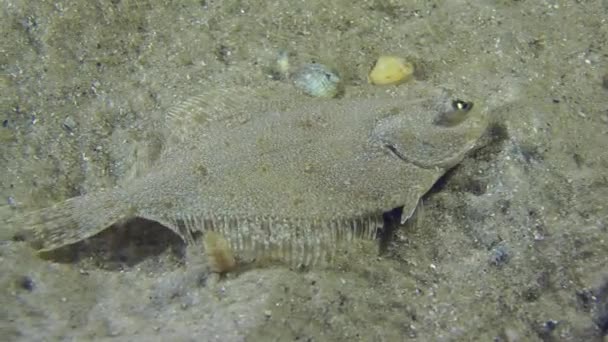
(282,64)
(26,283)
(499,256)
(69,124)
(546,329)
(550,325)
(605,81)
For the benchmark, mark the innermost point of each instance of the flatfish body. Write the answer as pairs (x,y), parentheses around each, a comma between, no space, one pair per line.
(278,178)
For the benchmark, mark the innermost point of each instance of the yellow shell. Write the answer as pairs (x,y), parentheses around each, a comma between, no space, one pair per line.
(220,255)
(390,70)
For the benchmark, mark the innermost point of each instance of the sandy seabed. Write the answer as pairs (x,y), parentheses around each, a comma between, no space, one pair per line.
(513,245)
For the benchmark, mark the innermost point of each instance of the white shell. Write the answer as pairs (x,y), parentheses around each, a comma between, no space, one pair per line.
(317,80)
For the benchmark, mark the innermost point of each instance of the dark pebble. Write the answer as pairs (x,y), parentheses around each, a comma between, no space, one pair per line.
(26,283)
(550,325)
(546,329)
(605,81)
(499,256)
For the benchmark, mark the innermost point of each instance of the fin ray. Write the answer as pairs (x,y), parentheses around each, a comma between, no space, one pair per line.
(296,242)
(231,105)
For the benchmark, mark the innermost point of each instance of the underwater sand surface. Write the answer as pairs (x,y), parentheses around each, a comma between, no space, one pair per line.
(513,242)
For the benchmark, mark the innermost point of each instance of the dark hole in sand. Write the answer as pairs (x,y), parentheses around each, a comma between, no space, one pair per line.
(123,245)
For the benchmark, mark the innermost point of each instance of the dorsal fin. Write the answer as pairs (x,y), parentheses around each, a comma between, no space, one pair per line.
(233,105)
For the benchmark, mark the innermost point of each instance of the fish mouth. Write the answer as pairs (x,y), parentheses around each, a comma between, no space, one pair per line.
(393,149)
(411,160)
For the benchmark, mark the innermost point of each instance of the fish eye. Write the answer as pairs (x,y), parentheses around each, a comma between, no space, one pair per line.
(460,105)
(455,116)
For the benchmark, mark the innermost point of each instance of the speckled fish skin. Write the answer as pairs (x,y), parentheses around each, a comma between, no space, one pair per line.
(283,179)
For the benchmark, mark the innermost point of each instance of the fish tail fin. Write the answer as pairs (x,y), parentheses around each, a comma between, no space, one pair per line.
(67,222)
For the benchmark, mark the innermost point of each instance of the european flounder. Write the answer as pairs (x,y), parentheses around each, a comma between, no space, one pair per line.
(279,178)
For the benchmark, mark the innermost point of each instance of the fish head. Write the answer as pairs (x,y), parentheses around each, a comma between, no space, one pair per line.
(438,136)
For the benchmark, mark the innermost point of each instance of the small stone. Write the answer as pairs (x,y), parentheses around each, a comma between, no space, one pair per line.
(605,81)
(267,313)
(499,256)
(26,283)
(69,124)
(282,64)
(550,325)
(546,329)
